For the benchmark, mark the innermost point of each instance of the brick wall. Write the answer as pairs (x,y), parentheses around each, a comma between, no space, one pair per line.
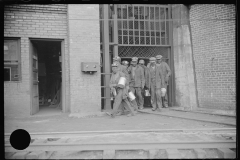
(214,54)
(31,21)
(84,46)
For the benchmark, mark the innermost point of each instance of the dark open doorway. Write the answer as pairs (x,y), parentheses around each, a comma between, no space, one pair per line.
(49,76)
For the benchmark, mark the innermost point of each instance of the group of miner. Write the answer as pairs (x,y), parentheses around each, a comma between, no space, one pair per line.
(129,83)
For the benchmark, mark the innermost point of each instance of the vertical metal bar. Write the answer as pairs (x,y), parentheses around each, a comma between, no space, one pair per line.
(133,24)
(150,38)
(122,22)
(169,23)
(154,17)
(160,26)
(106,56)
(139,26)
(144,24)
(165,25)
(172,55)
(115,32)
(127,25)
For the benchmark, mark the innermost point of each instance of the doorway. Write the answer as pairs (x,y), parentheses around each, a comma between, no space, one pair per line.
(46,77)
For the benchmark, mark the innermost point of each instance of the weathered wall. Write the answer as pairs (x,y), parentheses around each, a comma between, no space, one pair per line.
(31,21)
(84,46)
(186,95)
(213,37)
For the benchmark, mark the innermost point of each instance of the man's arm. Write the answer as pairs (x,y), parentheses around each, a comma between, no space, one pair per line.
(160,72)
(111,85)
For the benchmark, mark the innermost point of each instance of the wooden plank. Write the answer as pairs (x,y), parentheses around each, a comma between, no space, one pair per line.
(20,155)
(109,154)
(152,153)
(36,155)
(8,155)
(226,153)
(200,153)
(173,153)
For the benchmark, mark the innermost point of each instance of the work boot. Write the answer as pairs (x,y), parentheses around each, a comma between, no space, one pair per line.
(140,108)
(159,109)
(131,114)
(154,109)
(163,104)
(119,114)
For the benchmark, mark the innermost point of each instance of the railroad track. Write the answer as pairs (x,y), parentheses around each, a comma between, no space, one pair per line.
(171,143)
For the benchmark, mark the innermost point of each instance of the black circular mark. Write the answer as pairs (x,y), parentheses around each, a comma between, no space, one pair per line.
(20,139)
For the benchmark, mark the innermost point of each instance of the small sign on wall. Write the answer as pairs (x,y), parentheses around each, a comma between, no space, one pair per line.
(5,49)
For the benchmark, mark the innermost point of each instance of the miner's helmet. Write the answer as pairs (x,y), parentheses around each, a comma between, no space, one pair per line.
(124,62)
(134,60)
(152,59)
(114,64)
(141,61)
(117,58)
(159,57)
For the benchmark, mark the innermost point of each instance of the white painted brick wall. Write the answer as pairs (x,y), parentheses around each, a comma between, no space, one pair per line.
(84,46)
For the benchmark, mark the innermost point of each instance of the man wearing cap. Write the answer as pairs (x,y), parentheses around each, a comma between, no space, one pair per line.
(120,92)
(124,69)
(155,84)
(133,102)
(166,73)
(146,75)
(137,81)
(125,63)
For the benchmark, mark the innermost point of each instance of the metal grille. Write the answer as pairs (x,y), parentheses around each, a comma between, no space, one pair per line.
(142,25)
(142,51)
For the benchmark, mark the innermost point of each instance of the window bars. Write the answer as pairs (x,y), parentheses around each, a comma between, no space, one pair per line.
(142,25)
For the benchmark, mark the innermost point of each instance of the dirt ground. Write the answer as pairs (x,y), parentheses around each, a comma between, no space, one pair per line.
(64,123)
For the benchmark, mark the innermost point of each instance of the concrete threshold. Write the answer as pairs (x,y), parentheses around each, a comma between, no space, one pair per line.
(206,111)
(190,116)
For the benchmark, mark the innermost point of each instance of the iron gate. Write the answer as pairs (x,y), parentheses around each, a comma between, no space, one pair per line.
(134,30)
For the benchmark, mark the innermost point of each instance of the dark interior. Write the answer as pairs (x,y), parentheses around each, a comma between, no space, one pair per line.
(49,72)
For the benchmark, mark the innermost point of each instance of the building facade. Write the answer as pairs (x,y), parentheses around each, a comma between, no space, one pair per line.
(45,46)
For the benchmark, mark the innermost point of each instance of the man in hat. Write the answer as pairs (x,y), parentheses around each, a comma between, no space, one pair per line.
(166,73)
(125,63)
(155,84)
(124,69)
(120,92)
(146,75)
(137,81)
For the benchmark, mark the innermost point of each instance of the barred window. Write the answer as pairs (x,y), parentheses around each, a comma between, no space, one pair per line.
(143,24)
(12,58)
